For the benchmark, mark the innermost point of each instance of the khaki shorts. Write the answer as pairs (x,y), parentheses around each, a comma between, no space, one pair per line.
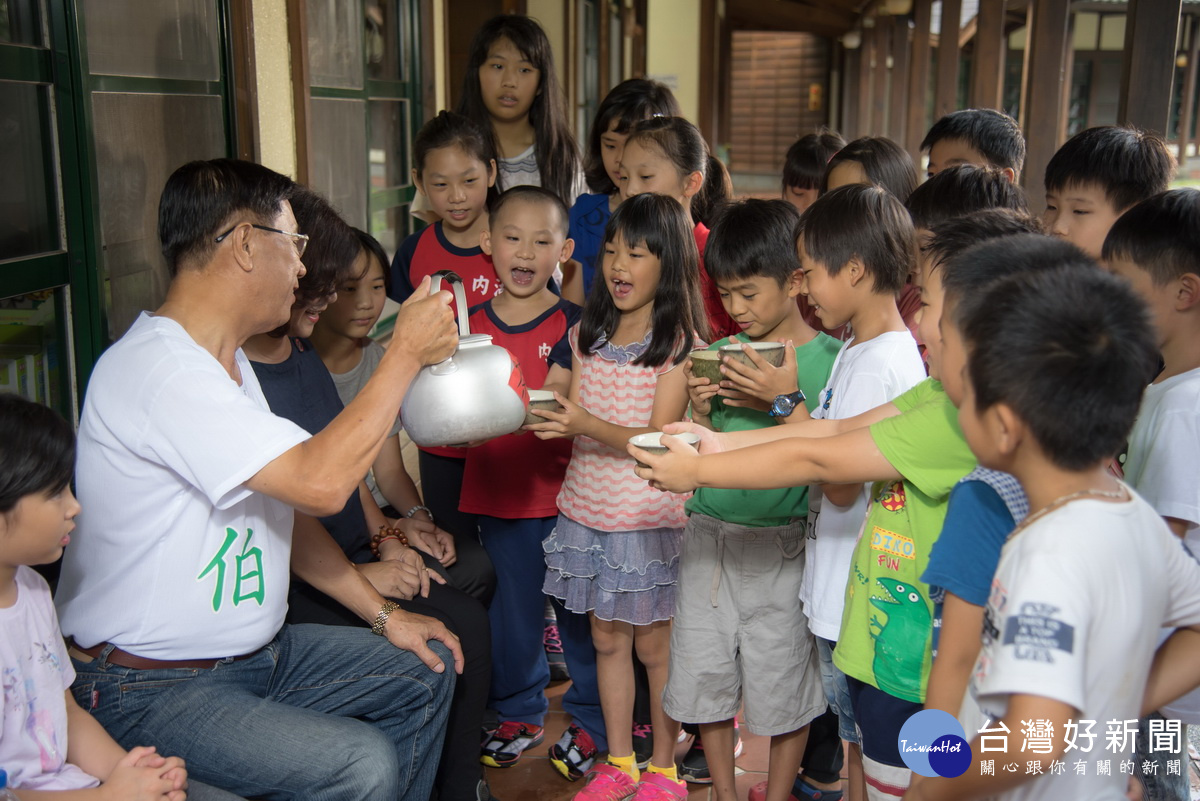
(739,638)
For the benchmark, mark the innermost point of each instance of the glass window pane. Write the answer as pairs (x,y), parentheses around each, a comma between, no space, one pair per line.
(29,190)
(385,31)
(335,43)
(22,22)
(33,353)
(391,226)
(389,144)
(153,40)
(339,144)
(140,140)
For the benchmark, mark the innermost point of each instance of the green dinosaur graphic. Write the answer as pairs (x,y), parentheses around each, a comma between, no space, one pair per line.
(897,662)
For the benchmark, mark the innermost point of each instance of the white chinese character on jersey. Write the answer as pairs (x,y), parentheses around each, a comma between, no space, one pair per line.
(481,285)
(544,351)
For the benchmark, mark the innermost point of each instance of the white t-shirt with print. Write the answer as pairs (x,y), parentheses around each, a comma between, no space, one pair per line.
(864,376)
(1161,466)
(1074,614)
(35,672)
(174,557)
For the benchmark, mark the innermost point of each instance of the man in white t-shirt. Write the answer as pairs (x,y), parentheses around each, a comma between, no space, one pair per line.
(174,592)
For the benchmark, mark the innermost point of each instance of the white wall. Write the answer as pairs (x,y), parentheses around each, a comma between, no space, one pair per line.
(272,61)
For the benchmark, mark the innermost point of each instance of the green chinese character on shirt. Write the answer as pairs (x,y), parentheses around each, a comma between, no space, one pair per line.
(248,583)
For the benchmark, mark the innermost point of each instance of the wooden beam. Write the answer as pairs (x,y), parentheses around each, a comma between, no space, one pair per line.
(918,79)
(1188,108)
(946,96)
(851,63)
(879,76)
(710,85)
(824,19)
(245,81)
(1147,76)
(987,80)
(898,77)
(865,84)
(1042,106)
(297,12)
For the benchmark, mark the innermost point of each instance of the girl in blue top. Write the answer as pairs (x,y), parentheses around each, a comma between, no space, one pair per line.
(627,104)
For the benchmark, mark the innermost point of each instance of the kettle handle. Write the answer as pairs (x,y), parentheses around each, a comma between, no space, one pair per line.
(460,297)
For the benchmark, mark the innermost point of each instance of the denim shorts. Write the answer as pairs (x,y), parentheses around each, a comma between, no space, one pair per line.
(836,691)
(740,638)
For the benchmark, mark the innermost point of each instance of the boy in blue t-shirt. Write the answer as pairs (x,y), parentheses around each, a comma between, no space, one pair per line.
(739,636)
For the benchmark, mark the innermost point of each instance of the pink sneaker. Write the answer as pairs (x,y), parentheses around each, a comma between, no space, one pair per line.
(657,787)
(606,782)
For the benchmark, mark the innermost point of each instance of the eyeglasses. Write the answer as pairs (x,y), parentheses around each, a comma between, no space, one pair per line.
(299,240)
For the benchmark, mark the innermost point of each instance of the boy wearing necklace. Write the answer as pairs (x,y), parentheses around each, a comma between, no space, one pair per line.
(1055,364)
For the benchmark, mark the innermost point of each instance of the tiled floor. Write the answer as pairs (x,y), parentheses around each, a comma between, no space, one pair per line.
(535,779)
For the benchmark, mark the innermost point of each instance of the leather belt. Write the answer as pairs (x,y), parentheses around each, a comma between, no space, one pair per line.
(123,658)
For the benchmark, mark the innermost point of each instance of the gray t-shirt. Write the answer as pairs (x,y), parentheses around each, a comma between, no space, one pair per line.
(348,385)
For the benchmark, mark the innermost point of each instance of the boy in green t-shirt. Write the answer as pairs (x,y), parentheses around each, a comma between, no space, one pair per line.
(739,637)
(914,451)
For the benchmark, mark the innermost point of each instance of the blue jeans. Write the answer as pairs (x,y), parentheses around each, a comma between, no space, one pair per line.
(517,613)
(1161,785)
(288,722)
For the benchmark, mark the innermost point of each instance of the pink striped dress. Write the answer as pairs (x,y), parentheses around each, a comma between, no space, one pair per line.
(615,548)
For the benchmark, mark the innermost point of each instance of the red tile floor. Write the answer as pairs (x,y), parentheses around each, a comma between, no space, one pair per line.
(535,779)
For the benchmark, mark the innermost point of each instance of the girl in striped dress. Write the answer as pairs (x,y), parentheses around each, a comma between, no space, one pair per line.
(614,552)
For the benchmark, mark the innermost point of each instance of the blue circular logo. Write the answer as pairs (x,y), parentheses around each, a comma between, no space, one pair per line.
(932,743)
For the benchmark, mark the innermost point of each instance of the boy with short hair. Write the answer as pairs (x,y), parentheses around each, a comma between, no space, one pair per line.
(958,191)
(856,248)
(1055,365)
(912,447)
(804,166)
(980,136)
(738,633)
(512,483)
(1098,175)
(1156,247)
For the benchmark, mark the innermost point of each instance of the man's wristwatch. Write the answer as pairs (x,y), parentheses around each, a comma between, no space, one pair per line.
(381,619)
(784,405)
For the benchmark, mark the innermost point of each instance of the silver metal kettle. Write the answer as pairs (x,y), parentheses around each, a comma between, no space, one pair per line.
(476,394)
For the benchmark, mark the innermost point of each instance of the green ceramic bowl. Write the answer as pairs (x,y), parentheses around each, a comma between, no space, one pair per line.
(652,443)
(707,364)
(771,351)
(541,399)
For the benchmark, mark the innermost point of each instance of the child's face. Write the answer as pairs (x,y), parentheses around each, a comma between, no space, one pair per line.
(929,281)
(631,274)
(954,354)
(979,428)
(526,242)
(947,153)
(647,170)
(612,147)
(1080,214)
(829,295)
(306,313)
(456,184)
(508,82)
(800,197)
(846,173)
(359,300)
(38,528)
(759,304)
(1160,299)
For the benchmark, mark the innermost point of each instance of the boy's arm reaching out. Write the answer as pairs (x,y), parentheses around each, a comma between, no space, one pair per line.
(799,424)
(847,458)
(973,784)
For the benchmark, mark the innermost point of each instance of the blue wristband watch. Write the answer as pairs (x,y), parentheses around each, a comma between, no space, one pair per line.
(784,405)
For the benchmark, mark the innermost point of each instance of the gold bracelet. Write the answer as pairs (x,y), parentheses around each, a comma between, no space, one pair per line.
(381,619)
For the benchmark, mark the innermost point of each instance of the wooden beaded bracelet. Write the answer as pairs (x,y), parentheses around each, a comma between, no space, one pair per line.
(387,533)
